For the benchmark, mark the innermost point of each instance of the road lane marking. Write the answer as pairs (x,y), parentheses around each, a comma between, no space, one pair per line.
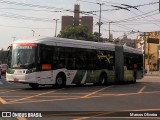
(43,100)
(121,94)
(10,91)
(94,116)
(142,89)
(125,94)
(14,97)
(92,93)
(21,118)
(35,95)
(117,95)
(82,118)
(3,101)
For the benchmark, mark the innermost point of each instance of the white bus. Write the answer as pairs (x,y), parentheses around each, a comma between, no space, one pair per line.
(60,62)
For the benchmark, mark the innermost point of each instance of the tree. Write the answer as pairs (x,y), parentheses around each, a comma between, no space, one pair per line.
(152,60)
(78,32)
(96,36)
(125,36)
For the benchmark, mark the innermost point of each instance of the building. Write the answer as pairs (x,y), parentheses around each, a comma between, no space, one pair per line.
(67,21)
(152,50)
(149,43)
(87,21)
(77,20)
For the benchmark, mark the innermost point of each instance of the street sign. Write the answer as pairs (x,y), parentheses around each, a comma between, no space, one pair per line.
(153,40)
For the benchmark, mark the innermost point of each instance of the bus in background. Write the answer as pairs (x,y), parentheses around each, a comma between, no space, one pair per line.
(0,72)
(60,62)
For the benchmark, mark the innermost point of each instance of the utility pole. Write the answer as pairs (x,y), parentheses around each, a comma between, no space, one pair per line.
(33,32)
(14,38)
(56,27)
(143,34)
(148,57)
(110,30)
(159,5)
(144,52)
(100,23)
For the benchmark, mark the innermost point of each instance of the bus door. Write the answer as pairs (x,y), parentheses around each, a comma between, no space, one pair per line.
(46,63)
(119,64)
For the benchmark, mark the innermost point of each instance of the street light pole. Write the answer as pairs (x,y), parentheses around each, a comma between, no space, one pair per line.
(100,23)
(14,38)
(148,57)
(144,52)
(109,30)
(159,5)
(33,32)
(56,27)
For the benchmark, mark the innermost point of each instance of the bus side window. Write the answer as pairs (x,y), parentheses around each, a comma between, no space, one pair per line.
(92,59)
(81,59)
(70,58)
(58,58)
(46,56)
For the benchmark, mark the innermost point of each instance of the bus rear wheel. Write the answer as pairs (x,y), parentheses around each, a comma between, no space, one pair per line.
(33,85)
(103,79)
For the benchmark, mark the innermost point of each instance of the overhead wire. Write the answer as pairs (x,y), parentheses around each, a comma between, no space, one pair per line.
(18,16)
(41,6)
(30,9)
(60,9)
(23,27)
(128,6)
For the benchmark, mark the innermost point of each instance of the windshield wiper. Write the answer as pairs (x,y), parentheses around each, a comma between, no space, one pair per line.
(27,65)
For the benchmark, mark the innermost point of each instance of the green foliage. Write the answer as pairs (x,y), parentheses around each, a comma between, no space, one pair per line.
(79,32)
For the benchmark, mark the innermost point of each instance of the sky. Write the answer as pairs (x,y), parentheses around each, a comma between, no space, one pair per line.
(21,18)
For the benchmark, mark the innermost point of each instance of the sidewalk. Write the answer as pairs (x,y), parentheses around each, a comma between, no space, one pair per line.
(153,73)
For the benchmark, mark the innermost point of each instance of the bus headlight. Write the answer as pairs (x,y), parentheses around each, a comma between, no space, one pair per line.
(31,70)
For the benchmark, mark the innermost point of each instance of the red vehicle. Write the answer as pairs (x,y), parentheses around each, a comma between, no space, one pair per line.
(3,68)
(0,72)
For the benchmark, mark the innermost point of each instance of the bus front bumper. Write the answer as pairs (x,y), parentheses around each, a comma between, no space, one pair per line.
(25,78)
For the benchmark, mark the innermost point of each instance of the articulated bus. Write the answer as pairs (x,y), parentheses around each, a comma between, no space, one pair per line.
(60,62)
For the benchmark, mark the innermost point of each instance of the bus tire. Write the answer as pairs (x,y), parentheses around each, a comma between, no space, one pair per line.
(103,79)
(61,80)
(33,85)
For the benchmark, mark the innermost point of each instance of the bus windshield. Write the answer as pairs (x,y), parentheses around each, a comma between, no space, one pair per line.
(23,57)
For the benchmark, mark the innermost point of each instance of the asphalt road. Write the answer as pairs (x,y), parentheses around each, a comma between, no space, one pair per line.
(85,102)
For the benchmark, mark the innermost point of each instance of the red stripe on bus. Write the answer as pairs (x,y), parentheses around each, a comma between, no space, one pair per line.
(25,44)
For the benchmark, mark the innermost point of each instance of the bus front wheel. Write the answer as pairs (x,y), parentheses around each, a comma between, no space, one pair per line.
(60,80)
(33,85)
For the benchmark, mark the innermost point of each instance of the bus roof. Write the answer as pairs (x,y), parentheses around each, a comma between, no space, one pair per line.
(53,41)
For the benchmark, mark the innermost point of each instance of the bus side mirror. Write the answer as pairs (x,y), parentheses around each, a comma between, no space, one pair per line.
(9,50)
